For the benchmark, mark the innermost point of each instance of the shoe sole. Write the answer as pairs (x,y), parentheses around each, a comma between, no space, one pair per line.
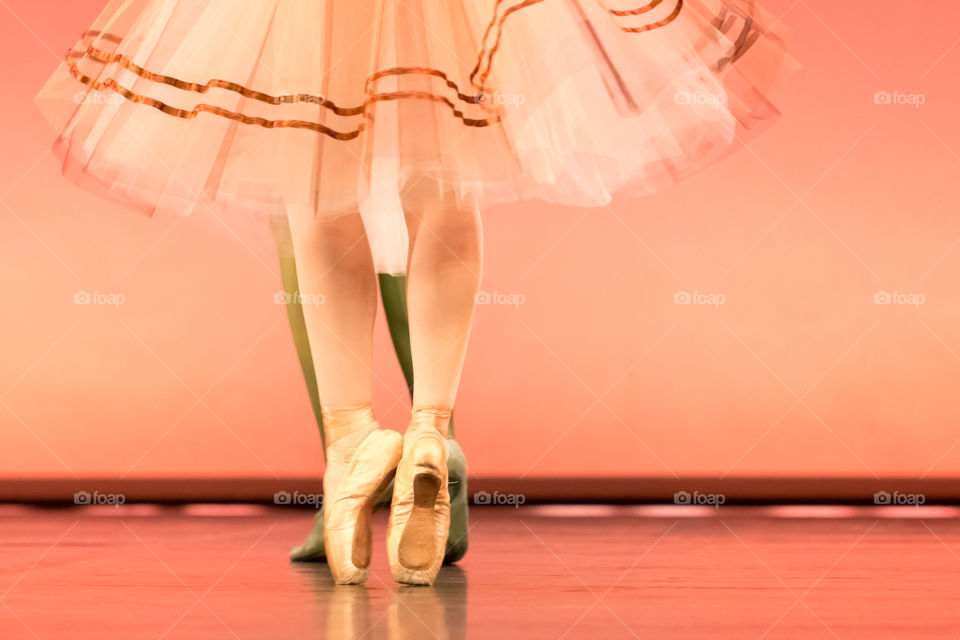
(418,542)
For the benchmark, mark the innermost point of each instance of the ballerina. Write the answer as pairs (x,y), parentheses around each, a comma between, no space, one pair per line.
(380,130)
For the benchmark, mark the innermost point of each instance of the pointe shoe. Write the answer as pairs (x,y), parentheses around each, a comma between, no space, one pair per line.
(312,549)
(458,538)
(420,512)
(346,522)
(345,428)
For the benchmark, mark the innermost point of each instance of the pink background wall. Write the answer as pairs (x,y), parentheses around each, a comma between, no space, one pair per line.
(598,372)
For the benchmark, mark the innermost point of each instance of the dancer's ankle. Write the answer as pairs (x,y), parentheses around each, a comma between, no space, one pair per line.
(345,428)
(341,422)
(430,417)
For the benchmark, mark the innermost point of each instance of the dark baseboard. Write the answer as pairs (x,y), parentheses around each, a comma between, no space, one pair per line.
(632,490)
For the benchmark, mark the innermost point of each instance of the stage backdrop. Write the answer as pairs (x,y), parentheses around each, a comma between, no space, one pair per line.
(793,311)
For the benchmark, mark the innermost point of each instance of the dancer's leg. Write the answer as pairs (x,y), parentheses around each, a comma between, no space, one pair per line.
(312,549)
(393,292)
(443,278)
(298,325)
(442,282)
(337,289)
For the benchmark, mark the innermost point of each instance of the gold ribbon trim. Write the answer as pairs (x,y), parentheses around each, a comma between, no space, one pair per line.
(478,77)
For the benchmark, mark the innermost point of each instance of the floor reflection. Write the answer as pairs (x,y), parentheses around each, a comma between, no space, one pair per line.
(394,611)
(570,572)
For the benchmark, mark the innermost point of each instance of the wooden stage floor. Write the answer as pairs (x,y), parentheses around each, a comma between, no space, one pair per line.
(204,571)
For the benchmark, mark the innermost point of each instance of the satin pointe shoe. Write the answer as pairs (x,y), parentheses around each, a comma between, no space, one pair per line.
(312,549)
(349,504)
(420,512)
(344,429)
(458,538)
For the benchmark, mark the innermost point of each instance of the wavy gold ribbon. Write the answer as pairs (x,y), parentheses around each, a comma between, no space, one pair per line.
(113,85)
(653,4)
(632,12)
(478,77)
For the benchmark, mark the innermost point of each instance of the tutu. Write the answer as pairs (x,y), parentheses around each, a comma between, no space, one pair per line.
(257,106)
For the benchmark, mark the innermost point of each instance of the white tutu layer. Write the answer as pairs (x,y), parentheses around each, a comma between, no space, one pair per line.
(341,106)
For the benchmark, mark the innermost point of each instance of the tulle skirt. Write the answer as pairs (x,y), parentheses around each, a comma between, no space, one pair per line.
(257,106)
